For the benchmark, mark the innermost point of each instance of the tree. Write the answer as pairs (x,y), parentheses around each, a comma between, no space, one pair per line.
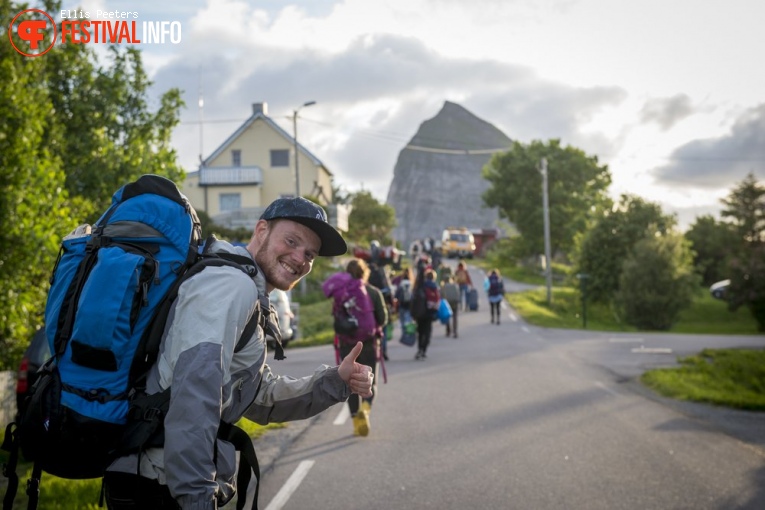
(747,283)
(602,249)
(110,137)
(71,133)
(713,243)
(746,206)
(657,280)
(340,196)
(370,220)
(33,203)
(577,186)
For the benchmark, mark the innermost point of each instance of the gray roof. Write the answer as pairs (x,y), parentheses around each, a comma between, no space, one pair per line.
(259,115)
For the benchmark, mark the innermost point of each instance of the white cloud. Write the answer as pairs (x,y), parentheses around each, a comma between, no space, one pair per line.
(645,86)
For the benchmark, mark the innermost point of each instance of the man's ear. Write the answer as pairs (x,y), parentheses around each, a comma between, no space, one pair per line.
(261,230)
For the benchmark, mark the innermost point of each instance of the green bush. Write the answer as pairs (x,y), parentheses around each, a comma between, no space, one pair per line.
(315,318)
(657,282)
(507,251)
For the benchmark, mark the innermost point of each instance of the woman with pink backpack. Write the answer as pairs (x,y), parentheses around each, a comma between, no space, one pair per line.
(359,315)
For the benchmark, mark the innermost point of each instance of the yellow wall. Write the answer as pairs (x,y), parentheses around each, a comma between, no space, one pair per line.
(193,192)
(249,195)
(255,144)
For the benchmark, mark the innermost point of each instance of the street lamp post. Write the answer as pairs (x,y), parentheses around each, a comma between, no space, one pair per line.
(546,212)
(295,141)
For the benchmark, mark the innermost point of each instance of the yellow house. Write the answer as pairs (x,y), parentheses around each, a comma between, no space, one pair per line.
(252,168)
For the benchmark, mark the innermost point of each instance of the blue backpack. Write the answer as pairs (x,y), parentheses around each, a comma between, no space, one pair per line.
(496,286)
(111,292)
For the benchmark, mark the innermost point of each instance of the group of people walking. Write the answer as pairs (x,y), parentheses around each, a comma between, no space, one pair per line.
(366,295)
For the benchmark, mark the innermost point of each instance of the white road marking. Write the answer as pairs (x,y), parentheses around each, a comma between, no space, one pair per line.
(625,340)
(342,416)
(652,350)
(606,388)
(513,317)
(293,482)
(525,329)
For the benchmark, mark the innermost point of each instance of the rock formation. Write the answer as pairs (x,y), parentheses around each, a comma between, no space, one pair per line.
(437,179)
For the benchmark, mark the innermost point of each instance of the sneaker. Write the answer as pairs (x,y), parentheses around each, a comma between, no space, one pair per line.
(366,407)
(418,356)
(361,423)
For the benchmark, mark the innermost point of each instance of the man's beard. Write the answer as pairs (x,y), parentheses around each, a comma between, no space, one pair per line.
(270,266)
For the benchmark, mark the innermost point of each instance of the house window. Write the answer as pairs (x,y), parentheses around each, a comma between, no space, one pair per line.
(230,201)
(236,157)
(280,157)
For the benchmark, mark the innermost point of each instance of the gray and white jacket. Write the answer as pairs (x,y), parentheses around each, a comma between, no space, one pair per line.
(210,383)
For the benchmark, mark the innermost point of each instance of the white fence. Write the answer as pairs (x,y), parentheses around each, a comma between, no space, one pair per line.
(7,397)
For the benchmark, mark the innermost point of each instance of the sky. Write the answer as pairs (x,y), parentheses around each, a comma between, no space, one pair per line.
(669,94)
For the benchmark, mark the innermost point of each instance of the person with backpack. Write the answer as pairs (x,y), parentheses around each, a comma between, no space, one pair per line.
(380,280)
(495,289)
(451,292)
(214,383)
(403,297)
(462,278)
(444,273)
(362,303)
(425,301)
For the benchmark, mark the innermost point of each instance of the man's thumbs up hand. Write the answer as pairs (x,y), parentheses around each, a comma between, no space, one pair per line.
(358,377)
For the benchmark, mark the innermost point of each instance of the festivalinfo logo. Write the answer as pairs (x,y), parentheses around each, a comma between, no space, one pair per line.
(34,32)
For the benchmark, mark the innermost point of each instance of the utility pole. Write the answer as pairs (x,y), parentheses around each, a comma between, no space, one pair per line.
(303,284)
(295,142)
(201,104)
(546,212)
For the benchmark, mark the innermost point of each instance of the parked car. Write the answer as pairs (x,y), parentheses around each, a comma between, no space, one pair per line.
(719,289)
(35,355)
(287,318)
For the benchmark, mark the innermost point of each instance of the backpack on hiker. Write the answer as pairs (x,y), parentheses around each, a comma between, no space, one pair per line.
(352,308)
(425,301)
(496,286)
(404,292)
(111,292)
(419,307)
(451,292)
(432,299)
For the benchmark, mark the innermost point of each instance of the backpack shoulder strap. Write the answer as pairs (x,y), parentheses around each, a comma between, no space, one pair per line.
(263,311)
(248,460)
(147,351)
(11,445)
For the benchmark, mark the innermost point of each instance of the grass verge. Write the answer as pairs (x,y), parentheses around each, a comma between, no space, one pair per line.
(705,316)
(62,494)
(725,377)
(315,325)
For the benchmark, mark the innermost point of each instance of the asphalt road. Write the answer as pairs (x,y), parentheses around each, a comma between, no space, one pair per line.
(518,417)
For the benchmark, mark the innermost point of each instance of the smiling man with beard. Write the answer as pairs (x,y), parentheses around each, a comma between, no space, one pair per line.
(213,383)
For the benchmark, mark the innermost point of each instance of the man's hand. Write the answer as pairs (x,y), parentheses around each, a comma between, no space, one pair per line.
(357,376)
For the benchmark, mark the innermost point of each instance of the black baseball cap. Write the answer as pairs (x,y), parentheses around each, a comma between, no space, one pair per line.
(311,215)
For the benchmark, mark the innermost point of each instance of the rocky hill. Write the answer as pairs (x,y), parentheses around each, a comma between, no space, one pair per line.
(437,178)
